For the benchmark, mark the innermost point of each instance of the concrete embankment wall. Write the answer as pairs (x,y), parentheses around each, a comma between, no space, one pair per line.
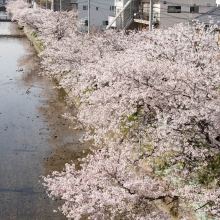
(39,49)
(36,44)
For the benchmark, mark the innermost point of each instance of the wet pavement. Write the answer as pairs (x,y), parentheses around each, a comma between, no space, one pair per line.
(34,138)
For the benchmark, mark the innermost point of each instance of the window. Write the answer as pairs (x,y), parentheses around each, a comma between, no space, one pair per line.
(112,8)
(105,22)
(86,22)
(174,9)
(85,7)
(194,9)
(97,8)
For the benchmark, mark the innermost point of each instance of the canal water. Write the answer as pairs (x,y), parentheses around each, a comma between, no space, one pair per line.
(34,138)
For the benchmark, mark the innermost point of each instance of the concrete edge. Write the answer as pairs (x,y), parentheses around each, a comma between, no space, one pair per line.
(39,49)
(36,44)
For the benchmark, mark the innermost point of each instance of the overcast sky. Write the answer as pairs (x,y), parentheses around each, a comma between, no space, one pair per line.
(218,1)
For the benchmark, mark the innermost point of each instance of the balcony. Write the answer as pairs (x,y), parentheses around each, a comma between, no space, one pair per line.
(144,17)
(124,19)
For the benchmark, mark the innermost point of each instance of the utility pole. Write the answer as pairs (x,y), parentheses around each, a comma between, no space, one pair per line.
(52,5)
(88,16)
(60,5)
(34,4)
(151,14)
(46,4)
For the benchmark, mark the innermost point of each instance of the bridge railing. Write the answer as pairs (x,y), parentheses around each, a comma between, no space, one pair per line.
(4,16)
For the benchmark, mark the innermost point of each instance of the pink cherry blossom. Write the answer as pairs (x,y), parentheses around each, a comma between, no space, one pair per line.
(150,103)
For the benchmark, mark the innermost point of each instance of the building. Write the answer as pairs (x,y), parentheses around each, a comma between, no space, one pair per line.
(210,17)
(135,14)
(99,12)
(64,5)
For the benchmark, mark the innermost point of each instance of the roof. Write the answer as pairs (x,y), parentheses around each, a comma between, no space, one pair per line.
(212,16)
(73,1)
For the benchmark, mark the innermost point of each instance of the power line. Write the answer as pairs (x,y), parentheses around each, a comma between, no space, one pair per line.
(103,4)
(172,14)
(100,10)
(184,4)
(163,12)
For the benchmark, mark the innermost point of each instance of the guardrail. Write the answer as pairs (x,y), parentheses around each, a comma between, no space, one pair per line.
(4,16)
(8,19)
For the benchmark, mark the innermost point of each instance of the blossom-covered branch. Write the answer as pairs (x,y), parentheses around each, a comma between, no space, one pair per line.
(150,101)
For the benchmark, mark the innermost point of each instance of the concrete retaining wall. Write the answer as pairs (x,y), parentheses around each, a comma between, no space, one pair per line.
(33,40)
(39,49)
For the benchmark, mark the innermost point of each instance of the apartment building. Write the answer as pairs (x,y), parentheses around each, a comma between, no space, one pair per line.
(99,12)
(212,16)
(135,14)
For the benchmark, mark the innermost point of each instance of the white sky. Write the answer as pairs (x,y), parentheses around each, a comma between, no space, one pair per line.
(218,1)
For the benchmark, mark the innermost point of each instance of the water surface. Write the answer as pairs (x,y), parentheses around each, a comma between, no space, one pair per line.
(34,139)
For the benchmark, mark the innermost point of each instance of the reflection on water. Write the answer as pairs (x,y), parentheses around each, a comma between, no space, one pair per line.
(34,139)
(66,147)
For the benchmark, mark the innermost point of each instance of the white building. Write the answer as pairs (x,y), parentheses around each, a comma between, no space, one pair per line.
(134,14)
(100,10)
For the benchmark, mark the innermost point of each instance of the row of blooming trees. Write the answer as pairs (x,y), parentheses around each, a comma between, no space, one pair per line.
(150,101)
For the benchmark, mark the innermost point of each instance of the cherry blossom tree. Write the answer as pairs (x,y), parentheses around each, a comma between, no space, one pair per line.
(150,102)
(161,97)
(48,25)
(105,186)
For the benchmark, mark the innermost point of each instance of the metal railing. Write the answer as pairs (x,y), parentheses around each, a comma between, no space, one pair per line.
(4,16)
(146,16)
(137,15)
(126,22)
